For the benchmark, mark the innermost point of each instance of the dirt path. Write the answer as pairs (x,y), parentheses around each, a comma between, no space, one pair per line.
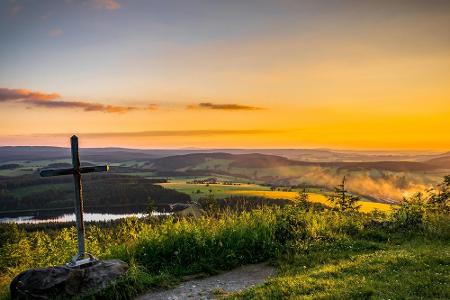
(232,281)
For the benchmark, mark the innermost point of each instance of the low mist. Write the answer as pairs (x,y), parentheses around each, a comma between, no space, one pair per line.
(385,186)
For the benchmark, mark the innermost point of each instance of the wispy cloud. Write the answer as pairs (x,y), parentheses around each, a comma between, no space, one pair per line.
(232,106)
(53,101)
(105,4)
(168,133)
(23,94)
(86,106)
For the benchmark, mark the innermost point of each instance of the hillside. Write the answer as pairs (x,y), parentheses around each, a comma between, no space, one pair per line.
(257,160)
(30,153)
(440,162)
(24,195)
(114,154)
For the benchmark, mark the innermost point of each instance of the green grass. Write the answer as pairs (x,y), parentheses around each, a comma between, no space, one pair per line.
(417,269)
(219,190)
(320,254)
(16,172)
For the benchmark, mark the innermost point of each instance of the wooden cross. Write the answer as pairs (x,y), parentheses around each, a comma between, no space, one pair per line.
(76,171)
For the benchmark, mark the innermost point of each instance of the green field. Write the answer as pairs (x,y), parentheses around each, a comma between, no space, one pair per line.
(16,172)
(220,191)
(417,269)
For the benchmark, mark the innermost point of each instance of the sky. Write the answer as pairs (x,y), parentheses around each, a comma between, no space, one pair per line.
(226,74)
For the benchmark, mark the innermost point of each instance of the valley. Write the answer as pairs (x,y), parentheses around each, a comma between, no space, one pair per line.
(139,178)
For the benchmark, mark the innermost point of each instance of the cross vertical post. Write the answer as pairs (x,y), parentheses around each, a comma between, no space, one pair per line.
(76,170)
(78,195)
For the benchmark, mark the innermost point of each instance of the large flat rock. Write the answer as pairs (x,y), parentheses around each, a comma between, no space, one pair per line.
(65,282)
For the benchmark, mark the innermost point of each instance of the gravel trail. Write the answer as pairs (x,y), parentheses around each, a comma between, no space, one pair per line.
(212,287)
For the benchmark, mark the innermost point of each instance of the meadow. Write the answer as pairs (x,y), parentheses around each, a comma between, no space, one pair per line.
(319,252)
(196,191)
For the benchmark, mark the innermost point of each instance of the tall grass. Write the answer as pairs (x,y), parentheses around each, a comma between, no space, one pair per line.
(206,244)
(161,252)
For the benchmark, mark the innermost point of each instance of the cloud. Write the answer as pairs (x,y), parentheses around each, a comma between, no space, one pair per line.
(208,105)
(55,32)
(105,4)
(86,106)
(52,100)
(23,94)
(169,133)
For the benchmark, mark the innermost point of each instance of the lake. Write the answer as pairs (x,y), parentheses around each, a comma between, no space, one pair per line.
(88,217)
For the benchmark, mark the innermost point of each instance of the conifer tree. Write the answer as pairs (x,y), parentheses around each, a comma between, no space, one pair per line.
(303,198)
(342,199)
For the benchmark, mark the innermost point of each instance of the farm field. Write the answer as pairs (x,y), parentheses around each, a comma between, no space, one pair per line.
(197,191)
(16,172)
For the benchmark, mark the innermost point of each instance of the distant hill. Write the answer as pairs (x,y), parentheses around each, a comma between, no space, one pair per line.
(31,153)
(395,166)
(115,154)
(13,153)
(441,162)
(176,162)
(257,160)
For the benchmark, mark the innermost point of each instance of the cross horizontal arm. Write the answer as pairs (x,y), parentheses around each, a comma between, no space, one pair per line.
(55,172)
(58,172)
(94,169)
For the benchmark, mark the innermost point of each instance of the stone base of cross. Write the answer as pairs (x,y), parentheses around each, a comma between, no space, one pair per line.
(80,259)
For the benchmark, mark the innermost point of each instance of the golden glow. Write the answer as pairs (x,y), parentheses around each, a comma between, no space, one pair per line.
(344,83)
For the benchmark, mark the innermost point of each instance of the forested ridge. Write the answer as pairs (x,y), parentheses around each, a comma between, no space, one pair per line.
(31,192)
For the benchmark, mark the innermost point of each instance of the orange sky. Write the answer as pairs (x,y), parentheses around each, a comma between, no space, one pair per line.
(372,76)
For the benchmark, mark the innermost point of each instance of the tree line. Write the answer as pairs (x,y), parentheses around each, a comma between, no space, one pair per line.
(99,190)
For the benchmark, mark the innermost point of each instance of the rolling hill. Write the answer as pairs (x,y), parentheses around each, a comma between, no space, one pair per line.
(114,154)
(440,162)
(257,160)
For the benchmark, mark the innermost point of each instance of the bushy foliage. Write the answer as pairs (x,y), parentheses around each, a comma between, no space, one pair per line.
(303,198)
(413,210)
(439,198)
(209,203)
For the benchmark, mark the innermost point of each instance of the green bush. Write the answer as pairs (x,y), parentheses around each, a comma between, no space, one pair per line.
(411,212)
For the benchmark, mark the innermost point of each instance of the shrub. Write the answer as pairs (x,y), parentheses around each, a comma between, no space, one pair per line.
(410,213)
(439,198)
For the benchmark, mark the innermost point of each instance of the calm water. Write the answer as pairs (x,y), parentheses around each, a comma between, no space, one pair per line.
(71,218)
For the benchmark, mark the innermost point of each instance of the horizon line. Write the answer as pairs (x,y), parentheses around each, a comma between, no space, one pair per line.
(243,148)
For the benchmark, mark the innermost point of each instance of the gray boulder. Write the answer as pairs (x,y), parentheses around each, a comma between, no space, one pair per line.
(64,282)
